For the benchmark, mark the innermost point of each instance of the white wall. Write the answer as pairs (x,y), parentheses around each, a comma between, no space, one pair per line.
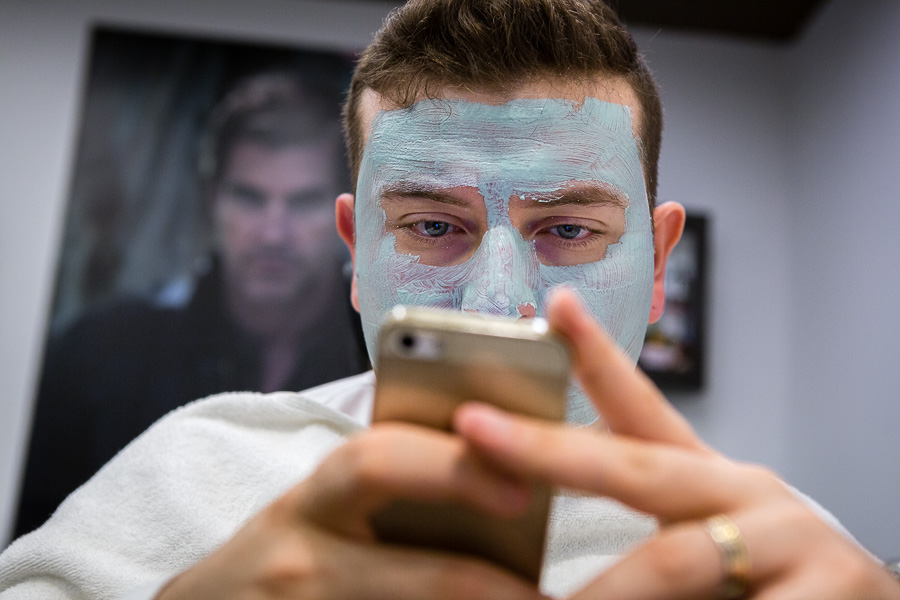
(845,229)
(748,139)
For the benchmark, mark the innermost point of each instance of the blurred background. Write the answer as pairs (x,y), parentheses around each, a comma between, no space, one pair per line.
(782,127)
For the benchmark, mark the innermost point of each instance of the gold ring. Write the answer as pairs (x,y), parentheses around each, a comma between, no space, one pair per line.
(735,557)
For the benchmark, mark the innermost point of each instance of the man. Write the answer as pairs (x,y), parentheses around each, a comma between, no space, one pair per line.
(501,148)
(269,310)
(270,168)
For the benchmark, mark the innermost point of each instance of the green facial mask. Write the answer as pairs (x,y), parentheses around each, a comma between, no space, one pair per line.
(522,148)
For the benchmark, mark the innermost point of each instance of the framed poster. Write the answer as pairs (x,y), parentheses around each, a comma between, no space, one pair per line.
(673,355)
(199,252)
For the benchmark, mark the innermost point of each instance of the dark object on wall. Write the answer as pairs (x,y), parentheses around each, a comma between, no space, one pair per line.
(674,349)
(771,20)
(775,20)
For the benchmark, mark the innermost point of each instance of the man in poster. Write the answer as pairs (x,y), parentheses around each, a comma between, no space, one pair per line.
(268,310)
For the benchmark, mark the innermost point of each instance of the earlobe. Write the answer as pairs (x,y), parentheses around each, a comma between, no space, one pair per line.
(346,226)
(668,222)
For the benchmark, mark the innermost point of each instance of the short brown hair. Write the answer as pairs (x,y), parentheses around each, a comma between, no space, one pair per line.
(426,45)
(274,108)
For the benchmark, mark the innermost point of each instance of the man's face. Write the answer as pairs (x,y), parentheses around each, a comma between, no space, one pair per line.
(273,220)
(483,203)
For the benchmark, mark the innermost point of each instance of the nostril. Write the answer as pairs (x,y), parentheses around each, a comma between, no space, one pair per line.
(527,311)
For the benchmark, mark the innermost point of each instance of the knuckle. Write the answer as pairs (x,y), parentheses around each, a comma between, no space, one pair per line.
(857,575)
(541,450)
(366,459)
(288,568)
(642,464)
(538,437)
(850,576)
(281,513)
(284,572)
(792,515)
(458,580)
(755,472)
(280,510)
(764,480)
(667,559)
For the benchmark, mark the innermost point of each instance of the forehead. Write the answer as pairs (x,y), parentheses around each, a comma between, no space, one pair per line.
(609,89)
(523,147)
(535,140)
(280,169)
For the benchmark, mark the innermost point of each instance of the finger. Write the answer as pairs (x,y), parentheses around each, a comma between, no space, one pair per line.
(799,587)
(681,564)
(627,399)
(835,584)
(400,461)
(396,573)
(793,555)
(665,480)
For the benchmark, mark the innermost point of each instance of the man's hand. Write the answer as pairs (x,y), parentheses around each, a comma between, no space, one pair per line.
(653,461)
(316,541)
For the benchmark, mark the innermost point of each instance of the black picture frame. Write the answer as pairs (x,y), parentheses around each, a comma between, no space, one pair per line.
(674,352)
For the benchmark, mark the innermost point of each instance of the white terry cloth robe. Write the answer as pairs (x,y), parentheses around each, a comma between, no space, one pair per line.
(186,485)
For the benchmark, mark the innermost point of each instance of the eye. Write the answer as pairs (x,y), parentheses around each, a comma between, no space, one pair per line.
(567,231)
(429,228)
(434,228)
(245,196)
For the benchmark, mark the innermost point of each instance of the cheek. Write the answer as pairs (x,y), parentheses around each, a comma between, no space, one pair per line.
(232,228)
(312,232)
(617,290)
(451,249)
(387,277)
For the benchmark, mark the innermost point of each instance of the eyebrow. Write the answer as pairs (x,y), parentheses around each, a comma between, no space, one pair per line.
(585,195)
(406,190)
(241,189)
(582,195)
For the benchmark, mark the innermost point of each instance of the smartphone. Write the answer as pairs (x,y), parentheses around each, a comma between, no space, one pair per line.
(428,362)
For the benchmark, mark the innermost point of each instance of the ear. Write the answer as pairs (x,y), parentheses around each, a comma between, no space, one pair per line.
(346,226)
(668,223)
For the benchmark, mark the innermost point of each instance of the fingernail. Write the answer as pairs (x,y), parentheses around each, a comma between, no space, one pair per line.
(554,291)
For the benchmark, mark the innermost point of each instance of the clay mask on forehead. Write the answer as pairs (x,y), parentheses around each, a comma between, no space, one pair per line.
(524,148)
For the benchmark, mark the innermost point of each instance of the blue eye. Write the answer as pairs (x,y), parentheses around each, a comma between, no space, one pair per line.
(435,228)
(568,232)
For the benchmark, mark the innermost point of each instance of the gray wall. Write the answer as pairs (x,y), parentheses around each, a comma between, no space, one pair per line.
(725,154)
(786,148)
(844,409)
(793,151)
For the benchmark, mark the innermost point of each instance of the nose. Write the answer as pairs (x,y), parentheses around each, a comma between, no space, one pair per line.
(274,222)
(504,277)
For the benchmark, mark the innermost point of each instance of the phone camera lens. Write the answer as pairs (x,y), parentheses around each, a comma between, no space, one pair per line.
(408,341)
